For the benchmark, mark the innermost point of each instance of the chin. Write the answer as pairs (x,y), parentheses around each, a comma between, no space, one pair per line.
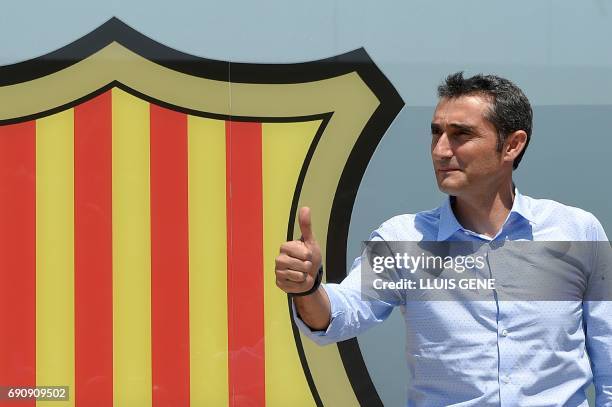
(449,188)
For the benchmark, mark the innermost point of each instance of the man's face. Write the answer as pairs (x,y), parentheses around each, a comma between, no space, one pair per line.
(464,147)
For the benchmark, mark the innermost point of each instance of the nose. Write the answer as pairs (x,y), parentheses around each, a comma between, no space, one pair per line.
(441,148)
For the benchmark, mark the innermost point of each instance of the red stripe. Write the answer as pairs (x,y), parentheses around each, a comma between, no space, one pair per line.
(245,264)
(18,256)
(169,258)
(93,253)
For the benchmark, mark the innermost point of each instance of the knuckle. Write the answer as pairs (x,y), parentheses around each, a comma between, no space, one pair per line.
(280,261)
(290,249)
(280,283)
(289,245)
(308,254)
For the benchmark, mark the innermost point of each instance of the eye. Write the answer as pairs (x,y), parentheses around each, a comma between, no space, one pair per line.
(461,134)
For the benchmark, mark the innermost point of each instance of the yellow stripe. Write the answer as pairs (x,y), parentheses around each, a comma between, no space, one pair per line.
(284,149)
(55,254)
(207,263)
(131,252)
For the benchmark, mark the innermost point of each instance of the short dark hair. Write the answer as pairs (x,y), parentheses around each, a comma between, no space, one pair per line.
(509,111)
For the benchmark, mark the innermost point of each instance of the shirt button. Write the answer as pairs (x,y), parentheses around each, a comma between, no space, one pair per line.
(505,379)
(505,332)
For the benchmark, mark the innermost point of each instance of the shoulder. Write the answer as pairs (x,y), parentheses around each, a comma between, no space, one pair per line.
(567,222)
(410,227)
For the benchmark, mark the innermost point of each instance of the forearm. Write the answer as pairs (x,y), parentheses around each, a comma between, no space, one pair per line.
(599,347)
(314,309)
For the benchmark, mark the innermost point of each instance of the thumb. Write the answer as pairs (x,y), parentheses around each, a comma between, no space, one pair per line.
(306,225)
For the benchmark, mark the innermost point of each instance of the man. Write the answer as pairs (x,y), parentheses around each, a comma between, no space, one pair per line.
(472,353)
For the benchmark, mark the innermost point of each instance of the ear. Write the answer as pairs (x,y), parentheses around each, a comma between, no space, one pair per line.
(514,144)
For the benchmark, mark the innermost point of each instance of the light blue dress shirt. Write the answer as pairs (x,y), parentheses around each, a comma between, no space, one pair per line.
(489,353)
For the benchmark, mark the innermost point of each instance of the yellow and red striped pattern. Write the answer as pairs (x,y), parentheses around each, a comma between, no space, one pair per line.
(137,247)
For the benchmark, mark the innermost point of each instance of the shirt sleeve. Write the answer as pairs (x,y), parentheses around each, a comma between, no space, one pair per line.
(598,323)
(350,313)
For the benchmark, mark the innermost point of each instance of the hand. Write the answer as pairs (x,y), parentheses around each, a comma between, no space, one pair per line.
(298,263)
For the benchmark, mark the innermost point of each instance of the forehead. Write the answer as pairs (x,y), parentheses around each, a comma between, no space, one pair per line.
(469,109)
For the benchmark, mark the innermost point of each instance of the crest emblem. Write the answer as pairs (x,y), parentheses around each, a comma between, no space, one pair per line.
(144,194)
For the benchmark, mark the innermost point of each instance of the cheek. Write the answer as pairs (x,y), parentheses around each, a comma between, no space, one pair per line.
(477,158)
(485,164)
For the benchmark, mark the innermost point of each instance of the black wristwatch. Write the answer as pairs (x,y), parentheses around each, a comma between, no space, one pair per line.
(314,288)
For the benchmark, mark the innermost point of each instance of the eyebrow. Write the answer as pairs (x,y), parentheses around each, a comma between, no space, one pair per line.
(458,126)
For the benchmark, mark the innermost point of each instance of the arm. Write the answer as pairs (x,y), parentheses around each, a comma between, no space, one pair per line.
(314,309)
(334,312)
(597,317)
(349,314)
(598,320)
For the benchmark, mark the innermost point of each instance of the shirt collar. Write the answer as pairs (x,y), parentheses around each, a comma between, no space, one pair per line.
(449,224)
(521,207)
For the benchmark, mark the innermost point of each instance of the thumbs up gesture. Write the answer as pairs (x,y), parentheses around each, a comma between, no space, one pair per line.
(298,263)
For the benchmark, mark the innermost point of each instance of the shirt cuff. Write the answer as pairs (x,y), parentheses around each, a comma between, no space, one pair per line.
(332,333)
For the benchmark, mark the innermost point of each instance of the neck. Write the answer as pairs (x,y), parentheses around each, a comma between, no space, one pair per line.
(485,212)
